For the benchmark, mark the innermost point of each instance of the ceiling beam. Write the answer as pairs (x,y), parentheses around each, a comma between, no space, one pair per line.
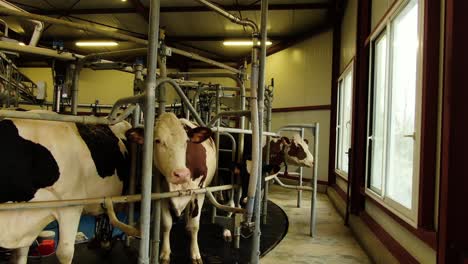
(139,8)
(216,38)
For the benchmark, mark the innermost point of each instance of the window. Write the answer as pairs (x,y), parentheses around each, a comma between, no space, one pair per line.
(343,126)
(393,123)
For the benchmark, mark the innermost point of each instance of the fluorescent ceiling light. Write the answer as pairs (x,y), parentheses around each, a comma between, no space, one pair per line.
(21,44)
(243,43)
(97,43)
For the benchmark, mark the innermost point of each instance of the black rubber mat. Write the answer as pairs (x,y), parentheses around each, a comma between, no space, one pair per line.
(212,246)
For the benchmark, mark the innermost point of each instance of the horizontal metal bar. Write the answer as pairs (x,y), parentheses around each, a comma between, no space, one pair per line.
(287,186)
(226,208)
(115,199)
(203,59)
(228,113)
(64,118)
(225,150)
(239,131)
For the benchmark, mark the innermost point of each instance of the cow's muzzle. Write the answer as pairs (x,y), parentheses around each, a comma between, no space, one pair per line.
(180,176)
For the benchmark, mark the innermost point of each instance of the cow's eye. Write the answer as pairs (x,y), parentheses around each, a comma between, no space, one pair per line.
(157,141)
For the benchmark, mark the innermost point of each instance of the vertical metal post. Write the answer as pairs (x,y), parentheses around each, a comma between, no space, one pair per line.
(161,96)
(147,167)
(75,87)
(299,192)
(255,255)
(216,176)
(267,155)
(8,84)
(314,180)
(240,148)
(134,151)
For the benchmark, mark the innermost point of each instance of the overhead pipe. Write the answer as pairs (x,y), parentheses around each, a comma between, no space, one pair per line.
(5,24)
(37,29)
(115,35)
(149,114)
(14,47)
(233,18)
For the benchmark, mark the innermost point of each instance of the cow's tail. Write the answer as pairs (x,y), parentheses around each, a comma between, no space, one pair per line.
(127,229)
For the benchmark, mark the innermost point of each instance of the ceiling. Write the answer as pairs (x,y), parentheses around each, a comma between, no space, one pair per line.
(188,24)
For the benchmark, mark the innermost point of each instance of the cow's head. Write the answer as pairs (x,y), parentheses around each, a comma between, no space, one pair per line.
(171,139)
(297,152)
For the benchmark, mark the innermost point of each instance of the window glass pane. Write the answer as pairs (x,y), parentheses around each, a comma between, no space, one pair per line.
(338,126)
(402,107)
(347,110)
(378,123)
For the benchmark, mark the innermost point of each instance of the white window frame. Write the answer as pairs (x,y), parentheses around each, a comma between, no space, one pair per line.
(339,114)
(408,215)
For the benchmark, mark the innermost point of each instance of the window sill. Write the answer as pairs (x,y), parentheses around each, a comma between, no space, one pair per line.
(343,175)
(427,236)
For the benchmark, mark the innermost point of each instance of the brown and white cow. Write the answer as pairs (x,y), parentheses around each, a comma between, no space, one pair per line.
(186,155)
(44,161)
(283,151)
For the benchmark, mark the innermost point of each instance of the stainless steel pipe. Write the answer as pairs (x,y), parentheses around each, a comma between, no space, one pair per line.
(149,114)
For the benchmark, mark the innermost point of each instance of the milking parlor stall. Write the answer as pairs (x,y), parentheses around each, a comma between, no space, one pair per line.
(158,131)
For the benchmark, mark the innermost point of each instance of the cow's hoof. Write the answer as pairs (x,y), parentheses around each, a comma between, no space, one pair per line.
(164,261)
(227,235)
(197,261)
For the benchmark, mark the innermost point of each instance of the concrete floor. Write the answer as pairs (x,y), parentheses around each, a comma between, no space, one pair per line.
(334,242)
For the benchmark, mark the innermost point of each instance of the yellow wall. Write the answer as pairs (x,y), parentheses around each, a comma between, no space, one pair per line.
(302,73)
(379,7)
(348,34)
(106,86)
(41,74)
(302,76)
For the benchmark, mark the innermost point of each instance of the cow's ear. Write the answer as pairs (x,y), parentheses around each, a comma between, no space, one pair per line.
(136,135)
(286,140)
(199,134)
(306,141)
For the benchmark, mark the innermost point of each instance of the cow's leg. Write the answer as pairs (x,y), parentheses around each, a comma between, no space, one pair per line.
(193,225)
(166,217)
(68,220)
(21,255)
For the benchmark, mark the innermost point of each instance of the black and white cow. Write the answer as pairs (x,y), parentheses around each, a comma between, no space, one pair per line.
(44,161)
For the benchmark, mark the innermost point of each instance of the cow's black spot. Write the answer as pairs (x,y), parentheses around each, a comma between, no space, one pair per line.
(105,151)
(25,166)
